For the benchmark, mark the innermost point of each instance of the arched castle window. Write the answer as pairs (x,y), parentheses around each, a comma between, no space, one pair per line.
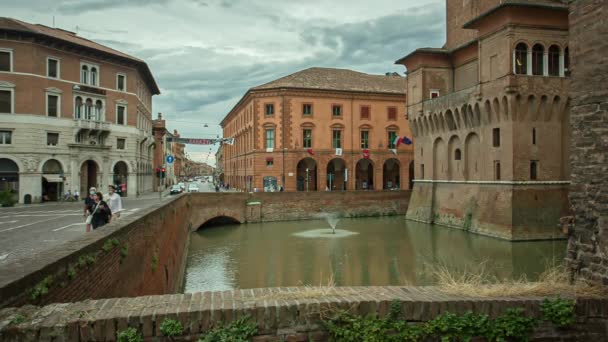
(457,154)
(554,60)
(538,52)
(521,59)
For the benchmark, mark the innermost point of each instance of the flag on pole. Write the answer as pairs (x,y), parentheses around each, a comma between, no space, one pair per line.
(310,151)
(405,141)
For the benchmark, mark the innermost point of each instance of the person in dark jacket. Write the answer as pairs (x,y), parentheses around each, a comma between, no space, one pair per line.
(101,212)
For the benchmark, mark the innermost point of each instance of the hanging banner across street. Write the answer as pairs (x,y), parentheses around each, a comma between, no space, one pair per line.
(193,141)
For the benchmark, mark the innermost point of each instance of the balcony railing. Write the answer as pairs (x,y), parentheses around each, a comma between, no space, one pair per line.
(92,125)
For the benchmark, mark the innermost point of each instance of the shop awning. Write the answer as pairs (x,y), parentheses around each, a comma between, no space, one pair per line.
(53,178)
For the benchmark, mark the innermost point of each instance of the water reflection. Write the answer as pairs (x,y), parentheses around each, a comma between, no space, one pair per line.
(386,251)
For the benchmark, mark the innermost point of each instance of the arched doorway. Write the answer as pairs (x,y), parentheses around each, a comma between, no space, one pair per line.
(9,177)
(307,175)
(52,180)
(411,175)
(335,174)
(390,174)
(88,176)
(121,172)
(364,175)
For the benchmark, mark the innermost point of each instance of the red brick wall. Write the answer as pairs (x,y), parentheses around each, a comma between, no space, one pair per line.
(160,231)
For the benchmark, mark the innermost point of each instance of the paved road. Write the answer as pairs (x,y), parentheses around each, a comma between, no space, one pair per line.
(25,230)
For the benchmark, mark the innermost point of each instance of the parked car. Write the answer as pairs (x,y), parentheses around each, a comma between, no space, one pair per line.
(192,188)
(182,185)
(176,189)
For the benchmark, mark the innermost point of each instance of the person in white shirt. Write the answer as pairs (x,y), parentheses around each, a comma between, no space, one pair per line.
(114,202)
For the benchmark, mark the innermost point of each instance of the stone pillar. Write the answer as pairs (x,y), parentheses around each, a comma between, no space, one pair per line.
(529,61)
(588,245)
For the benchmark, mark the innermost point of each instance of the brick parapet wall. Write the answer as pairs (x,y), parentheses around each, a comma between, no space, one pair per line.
(159,233)
(588,245)
(290,314)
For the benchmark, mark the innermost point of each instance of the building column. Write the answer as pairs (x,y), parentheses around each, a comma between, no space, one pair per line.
(546,62)
(562,72)
(529,62)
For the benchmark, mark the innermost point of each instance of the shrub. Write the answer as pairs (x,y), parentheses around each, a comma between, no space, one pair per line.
(7,199)
(171,327)
(559,311)
(239,330)
(130,335)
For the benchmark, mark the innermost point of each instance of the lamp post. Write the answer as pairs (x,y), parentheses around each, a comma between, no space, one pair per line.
(306,179)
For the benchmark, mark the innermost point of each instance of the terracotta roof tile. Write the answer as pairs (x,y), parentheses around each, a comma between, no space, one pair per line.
(338,80)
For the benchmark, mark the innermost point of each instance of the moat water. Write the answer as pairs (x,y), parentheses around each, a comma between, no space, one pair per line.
(364,251)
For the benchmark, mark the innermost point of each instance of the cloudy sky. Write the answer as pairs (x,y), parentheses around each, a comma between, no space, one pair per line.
(205,54)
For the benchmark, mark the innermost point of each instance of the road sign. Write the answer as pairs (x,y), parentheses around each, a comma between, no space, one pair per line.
(170,159)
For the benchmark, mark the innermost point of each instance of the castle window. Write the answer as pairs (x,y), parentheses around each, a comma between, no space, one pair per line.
(52,139)
(533,136)
(6,101)
(269,109)
(496,137)
(52,67)
(457,154)
(538,52)
(336,138)
(364,139)
(521,59)
(421,171)
(534,169)
(307,109)
(554,60)
(497,169)
(392,113)
(78,107)
(93,76)
(52,105)
(434,93)
(307,138)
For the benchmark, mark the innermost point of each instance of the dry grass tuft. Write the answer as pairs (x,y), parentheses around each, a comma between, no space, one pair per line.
(324,289)
(554,281)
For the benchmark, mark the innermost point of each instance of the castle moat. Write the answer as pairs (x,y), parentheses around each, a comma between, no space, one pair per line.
(364,251)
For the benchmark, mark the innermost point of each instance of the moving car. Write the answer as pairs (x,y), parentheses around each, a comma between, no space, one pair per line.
(182,185)
(176,189)
(192,188)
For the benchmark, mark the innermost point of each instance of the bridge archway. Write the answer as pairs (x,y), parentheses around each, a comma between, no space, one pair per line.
(219,221)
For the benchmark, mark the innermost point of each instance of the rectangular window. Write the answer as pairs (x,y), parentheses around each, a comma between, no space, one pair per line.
(307,109)
(52,103)
(337,138)
(392,135)
(434,94)
(336,110)
(421,171)
(533,169)
(5,61)
(533,136)
(392,113)
(120,143)
(120,115)
(6,137)
(269,109)
(6,104)
(365,112)
(496,137)
(307,138)
(52,69)
(121,82)
(270,138)
(364,139)
(52,139)
(269,163)
(497,169)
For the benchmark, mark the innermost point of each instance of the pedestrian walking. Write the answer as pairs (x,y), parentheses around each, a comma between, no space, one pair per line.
(89,202)
(114,202)
(101,212)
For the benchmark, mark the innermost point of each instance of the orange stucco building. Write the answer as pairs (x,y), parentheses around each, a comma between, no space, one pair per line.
(319,129)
